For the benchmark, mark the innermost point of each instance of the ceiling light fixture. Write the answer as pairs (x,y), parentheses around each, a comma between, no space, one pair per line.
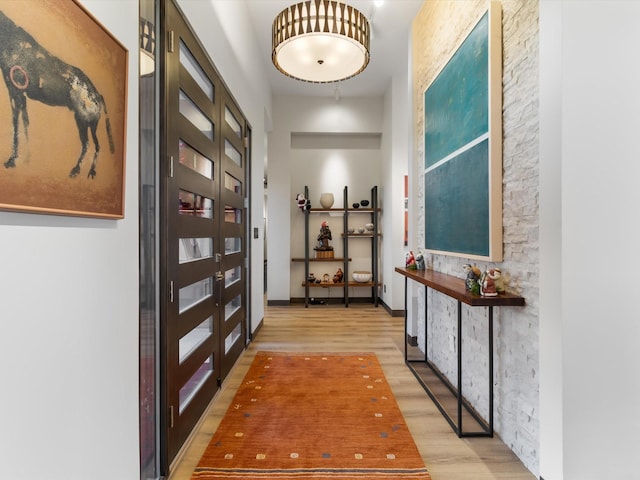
(320,41)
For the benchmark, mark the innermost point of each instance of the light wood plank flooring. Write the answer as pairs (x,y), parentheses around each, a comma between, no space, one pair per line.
(362,328)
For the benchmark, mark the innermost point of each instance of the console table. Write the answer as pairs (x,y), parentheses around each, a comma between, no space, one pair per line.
(454,287)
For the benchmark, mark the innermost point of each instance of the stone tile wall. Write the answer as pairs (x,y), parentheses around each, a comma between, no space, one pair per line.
(438,30)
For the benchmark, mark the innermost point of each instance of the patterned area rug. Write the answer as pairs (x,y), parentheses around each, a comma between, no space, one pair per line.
(313,416)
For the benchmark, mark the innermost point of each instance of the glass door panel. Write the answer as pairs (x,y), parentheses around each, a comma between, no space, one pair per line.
(193,249)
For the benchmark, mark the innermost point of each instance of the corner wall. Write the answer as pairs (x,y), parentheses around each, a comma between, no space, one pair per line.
(69,312)
(437,31)
(599,255)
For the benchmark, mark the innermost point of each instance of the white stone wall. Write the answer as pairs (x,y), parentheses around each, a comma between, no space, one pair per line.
(438,30)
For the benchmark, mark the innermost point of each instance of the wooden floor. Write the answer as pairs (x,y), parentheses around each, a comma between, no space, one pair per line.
(361,328)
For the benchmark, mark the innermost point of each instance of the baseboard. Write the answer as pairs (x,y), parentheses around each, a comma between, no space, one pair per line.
(393,313)
(278,303)
(332,301)
(254,334)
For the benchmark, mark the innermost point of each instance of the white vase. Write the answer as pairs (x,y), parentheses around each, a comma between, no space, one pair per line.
(326,200)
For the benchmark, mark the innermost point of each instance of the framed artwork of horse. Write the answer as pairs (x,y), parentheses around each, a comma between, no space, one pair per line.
(63,116)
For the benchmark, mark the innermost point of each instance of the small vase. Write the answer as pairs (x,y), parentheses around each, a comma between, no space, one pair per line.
(326,200)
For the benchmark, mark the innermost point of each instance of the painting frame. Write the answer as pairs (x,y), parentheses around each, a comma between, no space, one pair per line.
(63,139)
(463,146)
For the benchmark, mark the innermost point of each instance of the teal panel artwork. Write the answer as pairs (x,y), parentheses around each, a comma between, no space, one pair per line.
(456,104)
(457,203)
(462,148)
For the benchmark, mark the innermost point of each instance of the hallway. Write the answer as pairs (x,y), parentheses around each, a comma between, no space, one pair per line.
(364,328)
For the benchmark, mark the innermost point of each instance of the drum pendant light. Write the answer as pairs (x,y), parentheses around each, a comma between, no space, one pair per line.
(320,41)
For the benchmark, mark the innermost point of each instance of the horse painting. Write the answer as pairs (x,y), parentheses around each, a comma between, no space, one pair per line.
(31,72)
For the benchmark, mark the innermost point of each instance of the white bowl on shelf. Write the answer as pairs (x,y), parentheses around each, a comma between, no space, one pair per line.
(362,277)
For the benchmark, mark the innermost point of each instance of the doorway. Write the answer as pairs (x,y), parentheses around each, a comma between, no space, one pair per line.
(203,228)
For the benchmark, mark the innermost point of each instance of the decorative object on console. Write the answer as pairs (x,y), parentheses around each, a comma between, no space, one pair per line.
(498,279)
(472,282)
(364,203)
(488,287)
(362,276)
(326,200)
(410,261)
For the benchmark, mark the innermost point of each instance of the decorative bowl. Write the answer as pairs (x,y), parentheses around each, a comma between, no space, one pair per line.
(369,227)
(362,276)
(364,203)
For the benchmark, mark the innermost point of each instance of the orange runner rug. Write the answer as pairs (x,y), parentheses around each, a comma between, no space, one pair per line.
(313,416)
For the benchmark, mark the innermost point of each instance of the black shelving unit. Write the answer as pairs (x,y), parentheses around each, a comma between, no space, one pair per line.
(373,211)
(372,236)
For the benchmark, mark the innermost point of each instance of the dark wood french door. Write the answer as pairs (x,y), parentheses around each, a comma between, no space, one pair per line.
(203,244)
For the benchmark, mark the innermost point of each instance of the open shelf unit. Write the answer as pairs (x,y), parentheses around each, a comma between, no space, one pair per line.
(373,237)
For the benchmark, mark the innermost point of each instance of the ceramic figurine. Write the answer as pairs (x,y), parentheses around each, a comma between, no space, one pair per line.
(337,278)
(410,261)
(497,279)
(323,237)
(488,283)
(302,202)
(420,265)
(471,283)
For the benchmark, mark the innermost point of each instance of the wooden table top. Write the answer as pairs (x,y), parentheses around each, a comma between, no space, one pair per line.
(454,287)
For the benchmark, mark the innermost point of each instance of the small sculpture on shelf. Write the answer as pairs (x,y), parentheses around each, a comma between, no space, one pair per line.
(302,202)
(420,263)
(410,261)
(323,249)
(325,278)
(491,283)
(337,278)
(472,282)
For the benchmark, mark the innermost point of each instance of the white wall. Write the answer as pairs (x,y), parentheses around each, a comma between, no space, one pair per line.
(395,165)
(600,237)
(230,42)
(69,312)
(550,336)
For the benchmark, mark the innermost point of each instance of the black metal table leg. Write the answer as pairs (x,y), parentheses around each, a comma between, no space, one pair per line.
(490,371)
(459,394)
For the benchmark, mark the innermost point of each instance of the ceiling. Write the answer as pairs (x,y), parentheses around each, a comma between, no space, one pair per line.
(390,27)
